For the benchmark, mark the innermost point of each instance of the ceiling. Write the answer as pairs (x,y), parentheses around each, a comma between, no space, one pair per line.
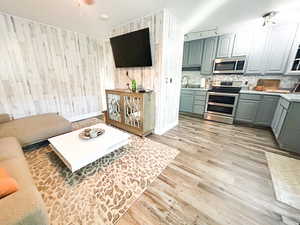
(194,15)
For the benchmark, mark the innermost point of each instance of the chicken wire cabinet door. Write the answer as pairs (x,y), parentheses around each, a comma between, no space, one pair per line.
(114,107)
(130,111)
(133,107)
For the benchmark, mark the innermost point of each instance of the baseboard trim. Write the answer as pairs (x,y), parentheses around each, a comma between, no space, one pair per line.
(165,129)
(84,116)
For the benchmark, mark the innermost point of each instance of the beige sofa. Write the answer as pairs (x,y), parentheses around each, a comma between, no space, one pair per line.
(34,129)
(25,207)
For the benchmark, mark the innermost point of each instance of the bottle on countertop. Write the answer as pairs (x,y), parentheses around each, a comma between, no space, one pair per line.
(133,86)
(245,85)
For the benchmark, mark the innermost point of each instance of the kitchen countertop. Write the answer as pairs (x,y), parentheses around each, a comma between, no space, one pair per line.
(195,89)
(289,97)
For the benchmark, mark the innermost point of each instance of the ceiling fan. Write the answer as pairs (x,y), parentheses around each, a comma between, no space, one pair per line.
(86,2)
(269,18)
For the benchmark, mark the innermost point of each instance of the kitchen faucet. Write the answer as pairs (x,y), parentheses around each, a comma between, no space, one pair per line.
(185,81)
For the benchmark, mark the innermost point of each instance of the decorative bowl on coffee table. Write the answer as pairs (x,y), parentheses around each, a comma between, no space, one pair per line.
(91,133)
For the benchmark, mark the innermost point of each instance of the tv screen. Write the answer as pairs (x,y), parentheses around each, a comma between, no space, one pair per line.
(132,49)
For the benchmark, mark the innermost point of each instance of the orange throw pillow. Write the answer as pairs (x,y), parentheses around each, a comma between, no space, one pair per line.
(3,173)
(8,185)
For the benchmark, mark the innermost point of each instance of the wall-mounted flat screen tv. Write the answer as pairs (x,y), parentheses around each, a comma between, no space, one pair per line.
(132,49)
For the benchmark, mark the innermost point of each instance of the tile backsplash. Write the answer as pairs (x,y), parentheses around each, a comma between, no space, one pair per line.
(287,82)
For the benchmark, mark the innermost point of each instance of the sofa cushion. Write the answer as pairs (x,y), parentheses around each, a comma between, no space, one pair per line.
(8,185)
(33,129)
(4,118)
(10,148)
(24,207)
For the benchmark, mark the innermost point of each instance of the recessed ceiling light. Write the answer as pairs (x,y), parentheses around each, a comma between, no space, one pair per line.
(104,17)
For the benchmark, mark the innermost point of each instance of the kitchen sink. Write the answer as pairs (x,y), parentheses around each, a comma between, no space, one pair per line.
(191,86)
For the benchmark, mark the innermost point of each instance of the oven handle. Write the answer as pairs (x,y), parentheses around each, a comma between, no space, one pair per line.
(229,71)
(220,104)
(221,114)
(222,94)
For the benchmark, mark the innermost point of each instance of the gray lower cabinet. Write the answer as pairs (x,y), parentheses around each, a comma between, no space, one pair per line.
(266,110)
(186,103)
(257,109)
(279,116)
(275,112)
(280,121)
(286,125)
(199,109)
(193,101)
(246,111)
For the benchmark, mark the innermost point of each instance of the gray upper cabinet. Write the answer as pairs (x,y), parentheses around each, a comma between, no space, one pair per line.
(195,53)
(293,66)
(186,48)
(278,47)
(209,54)
(225,45)
(192,53)
(241,44)
(270,49)
(256,54)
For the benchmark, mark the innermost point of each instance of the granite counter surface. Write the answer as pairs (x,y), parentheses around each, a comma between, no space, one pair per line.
(290,97)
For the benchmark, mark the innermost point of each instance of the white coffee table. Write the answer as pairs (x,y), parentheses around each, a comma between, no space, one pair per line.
(77,153)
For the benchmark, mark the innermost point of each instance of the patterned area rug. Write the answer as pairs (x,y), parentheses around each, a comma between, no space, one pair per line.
(101,192)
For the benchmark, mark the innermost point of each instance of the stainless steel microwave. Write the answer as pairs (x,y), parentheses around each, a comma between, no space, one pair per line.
(230,65)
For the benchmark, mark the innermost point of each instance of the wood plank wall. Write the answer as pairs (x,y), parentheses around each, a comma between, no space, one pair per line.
(47,69)
(167,47)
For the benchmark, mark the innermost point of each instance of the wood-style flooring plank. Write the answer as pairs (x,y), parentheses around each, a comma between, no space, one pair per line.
(220,177)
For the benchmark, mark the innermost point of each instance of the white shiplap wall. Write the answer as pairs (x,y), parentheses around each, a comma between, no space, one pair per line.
(172,52)
(166,45)
(48,69)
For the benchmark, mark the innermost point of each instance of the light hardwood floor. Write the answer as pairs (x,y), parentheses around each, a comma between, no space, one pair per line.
(220,177)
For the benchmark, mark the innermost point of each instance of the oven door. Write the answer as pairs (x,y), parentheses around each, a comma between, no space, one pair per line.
(221,103)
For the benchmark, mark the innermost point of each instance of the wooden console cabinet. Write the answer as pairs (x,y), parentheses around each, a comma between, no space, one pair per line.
(131,111)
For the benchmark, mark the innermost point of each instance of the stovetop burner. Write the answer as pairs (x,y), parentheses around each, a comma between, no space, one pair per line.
(225,89)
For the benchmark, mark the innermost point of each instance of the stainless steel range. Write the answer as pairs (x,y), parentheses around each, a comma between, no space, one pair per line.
(221,102)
